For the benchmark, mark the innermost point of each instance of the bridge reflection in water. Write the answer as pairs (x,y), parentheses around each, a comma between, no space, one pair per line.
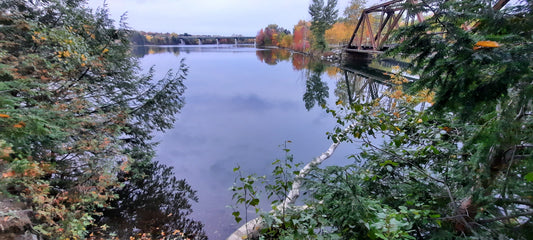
(368,81)
(360,80)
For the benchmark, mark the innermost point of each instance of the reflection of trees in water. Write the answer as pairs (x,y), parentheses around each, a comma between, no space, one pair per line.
(300,61)
(153,201)
(273,56)
(359,83)
(316,90)
(360,87)
(141,51)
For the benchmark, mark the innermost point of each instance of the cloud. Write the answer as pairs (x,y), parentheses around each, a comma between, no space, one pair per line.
(216,17)
(241,103)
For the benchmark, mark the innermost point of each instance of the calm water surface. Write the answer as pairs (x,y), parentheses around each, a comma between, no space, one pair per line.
(242,103)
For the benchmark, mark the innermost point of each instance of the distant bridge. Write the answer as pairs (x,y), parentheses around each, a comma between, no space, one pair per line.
(216,39)
(372,38)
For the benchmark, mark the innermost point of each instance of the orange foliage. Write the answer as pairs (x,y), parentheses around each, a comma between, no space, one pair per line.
(332,71)
(19,125)
(301,36)
(486,44)
(299,61)
(4,115)
(339,33)
(8,174)
(286,41)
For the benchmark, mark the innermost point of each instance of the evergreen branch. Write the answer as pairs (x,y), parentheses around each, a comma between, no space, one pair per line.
(482,221)
(515,201)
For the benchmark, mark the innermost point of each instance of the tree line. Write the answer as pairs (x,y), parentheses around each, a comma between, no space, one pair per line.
(154,38)
(324,29)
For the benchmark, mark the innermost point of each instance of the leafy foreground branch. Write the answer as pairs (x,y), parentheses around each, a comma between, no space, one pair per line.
(77,119)
(254,226)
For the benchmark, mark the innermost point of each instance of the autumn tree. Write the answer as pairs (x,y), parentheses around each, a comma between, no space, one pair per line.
(322,17)
(302,34)
(75,112)
(286,41)
(339,34)
(272,35)
(260,38)
(353,12)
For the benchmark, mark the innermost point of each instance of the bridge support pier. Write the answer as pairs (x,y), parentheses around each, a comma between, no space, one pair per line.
(351,58)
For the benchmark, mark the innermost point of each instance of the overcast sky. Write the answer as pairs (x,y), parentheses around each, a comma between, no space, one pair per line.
(213,17)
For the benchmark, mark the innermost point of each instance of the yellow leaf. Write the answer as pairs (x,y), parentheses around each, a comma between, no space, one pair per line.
(486,44)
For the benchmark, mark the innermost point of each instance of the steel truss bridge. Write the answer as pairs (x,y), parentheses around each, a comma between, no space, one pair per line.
(372,36)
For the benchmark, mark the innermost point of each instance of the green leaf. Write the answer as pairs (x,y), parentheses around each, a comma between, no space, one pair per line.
(254,202)
(529,177)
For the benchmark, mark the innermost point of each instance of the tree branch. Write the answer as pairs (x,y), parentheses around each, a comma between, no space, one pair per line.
(482,221)
(252,227)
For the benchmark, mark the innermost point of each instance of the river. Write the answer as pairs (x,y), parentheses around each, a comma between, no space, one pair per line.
(242,104)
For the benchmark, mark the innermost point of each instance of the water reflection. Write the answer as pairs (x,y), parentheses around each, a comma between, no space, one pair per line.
(300,61)
(273,56)
(316,90)
(154,202)
(363,81)
(141,51)
(242,102)
(363,85)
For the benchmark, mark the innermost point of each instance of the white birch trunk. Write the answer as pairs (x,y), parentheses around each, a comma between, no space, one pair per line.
(252,227)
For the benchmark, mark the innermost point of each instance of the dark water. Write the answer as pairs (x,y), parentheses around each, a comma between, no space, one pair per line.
(242,103)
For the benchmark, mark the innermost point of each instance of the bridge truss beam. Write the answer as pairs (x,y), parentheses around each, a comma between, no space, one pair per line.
(371,36)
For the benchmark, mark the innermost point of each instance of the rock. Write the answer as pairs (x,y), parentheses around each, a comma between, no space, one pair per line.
(15,220)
